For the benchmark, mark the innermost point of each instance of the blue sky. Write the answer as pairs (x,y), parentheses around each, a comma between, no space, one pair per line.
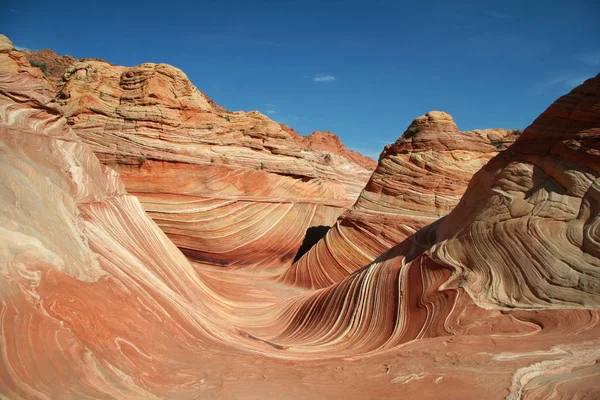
(362,69)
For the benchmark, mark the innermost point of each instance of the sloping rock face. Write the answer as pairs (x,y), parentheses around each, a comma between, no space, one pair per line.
(13,61)
(96,302)
(55,67)
(232,189)
(419,179)
(538,203)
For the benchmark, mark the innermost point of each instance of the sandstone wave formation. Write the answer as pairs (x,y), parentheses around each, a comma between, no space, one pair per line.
(500,298)
(228,188)
(419,179)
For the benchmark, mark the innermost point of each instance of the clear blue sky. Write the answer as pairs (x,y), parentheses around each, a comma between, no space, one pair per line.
(362,69)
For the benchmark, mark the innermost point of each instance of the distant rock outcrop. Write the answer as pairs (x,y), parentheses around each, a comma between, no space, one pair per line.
(51,64)
(419,179)
(330,142)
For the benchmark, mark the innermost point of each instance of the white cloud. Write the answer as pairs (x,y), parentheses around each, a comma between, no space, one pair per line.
(271,112)
(497,14)
(271,105)
(19,48)
(563,82)
(571,83)
(324,78)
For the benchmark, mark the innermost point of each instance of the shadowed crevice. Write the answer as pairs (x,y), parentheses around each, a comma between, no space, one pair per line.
(312,236)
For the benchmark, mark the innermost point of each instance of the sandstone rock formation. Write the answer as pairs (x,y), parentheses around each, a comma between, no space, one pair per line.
(14,61)
(419,179)
(330,142)
(229,188)
(499,299)
(524,236)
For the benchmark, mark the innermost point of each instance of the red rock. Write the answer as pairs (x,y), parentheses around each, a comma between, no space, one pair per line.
(330,142)
(517,257)
(51,64)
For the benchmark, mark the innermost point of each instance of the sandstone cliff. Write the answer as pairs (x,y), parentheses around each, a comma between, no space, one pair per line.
(51,64)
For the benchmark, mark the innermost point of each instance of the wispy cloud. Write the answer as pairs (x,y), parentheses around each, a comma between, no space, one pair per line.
(587,68)
(19,48)
(12,10)
(497,14)
(590,58)
(506,46)
(571,83)
(263,42)
(240,38)
(563,82)
(324,78)
(288,119)
(271,108)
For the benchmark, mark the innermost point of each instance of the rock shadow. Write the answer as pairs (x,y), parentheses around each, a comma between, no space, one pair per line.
(312,236)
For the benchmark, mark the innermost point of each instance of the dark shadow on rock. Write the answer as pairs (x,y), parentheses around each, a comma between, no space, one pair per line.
(312,236)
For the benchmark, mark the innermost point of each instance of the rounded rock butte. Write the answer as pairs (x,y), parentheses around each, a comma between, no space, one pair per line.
(498,299)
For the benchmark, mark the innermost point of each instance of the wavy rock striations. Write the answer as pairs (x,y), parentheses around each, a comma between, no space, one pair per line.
(228,188)
(419,179)
(526,233)
(499,299)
